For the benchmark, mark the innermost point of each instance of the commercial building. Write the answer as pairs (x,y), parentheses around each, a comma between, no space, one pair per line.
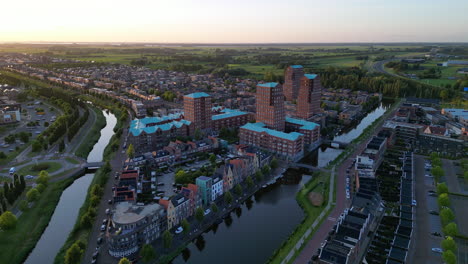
(10,113)
(132,225)
(270,105)
(197,110)
(292,79)
(310,92)
(287,145)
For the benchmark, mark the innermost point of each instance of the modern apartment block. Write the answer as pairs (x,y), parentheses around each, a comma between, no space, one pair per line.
(229,118)
(205,186)
(292,79)
(310,92)
(133,225)
(270,105)
(287,145)
(197,109)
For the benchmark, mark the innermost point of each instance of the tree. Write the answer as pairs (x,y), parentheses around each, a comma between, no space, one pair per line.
(40,187)
(2,155)
(265,169)
(86,220)
(7,220)
(443,200)
(446,215)
(124,261)
(258,176)
(32,195)
(130,151)
(212,158)
(449,257)
(437,172)
(451,229)
(238,189)
(36,146)
(442,188)
(23,205)
(449,244)
(167,239)
(147,253)
(181,177)
(249,182)
(61,146)
(24,137)
(186,226)
(199,214)
(228,197)
(274,163)
(198,134)
(214,208)
(73,254)
(43,178)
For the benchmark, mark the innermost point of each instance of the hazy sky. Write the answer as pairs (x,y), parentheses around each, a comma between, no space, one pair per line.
(228,21)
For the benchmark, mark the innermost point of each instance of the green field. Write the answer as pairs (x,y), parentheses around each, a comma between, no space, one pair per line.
(29,170)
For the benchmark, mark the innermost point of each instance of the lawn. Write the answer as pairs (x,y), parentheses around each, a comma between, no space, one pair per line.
(31,170)
(93,135)
(72,160)
(15,245)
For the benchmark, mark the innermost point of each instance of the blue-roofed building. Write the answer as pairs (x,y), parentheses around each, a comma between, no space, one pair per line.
(292,81)
(309,96)
(205,187)
(197,95)
(288,145)
(229,118)
(153,133)
(310,130)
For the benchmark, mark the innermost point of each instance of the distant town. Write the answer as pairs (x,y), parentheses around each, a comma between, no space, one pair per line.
(152,161)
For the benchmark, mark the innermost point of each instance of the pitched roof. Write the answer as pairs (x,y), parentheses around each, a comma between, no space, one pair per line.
(260,127)
(137,126)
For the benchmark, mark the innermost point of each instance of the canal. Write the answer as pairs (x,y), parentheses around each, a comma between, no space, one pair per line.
(260,226)
(72,198)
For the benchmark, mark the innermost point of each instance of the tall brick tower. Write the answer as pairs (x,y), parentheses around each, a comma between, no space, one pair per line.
(292,79)
(270,105)
(310,93)
(197,109)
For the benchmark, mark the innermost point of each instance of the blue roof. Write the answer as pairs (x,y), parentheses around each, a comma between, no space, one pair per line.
(465,89)
(310,76)
(228,113)
(260,127)
(137,126)
(197,95)
(307,125)
(296,66)
(457,112)
(270,84)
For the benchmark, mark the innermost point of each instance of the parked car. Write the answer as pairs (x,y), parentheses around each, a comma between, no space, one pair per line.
(109,201)
(99,240)
(161,184)
(207,211)
(29,177)
(434,212)
(103,228)
(95,254)
(436,234)
(179,230)
(437,250)
(104,221)
(107,211)
(414,203)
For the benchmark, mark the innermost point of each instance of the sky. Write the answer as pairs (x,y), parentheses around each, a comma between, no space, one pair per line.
(234,21)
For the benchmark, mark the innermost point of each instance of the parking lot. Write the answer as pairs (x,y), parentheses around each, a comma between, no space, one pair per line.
(31,122)
(425,223)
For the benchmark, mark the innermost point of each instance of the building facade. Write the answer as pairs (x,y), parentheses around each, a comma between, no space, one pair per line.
(132,225)
(292,79)
(197,109)
(310,92)
(270,105)
(205,186)
(230,118)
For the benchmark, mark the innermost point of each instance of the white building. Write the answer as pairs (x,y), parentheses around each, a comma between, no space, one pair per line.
(365,167)
(217,187)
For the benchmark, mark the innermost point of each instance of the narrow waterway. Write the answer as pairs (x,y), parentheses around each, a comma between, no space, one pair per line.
(253,233)
(71,200)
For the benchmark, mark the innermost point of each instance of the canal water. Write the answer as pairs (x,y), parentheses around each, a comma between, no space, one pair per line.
(72,198)
(252,234)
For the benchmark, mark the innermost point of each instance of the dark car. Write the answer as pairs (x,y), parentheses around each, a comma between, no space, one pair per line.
(436,234)
(95,254)
(99,240)
(434,212)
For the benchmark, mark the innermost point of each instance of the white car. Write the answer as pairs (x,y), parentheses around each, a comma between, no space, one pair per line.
(207,211)
(437,250)
(179,230)
(414,203)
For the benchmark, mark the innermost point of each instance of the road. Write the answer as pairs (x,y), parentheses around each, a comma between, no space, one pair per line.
(116,164)
(341,202)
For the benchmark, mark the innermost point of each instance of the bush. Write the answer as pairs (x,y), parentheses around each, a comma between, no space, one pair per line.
(7,220)
(40,167)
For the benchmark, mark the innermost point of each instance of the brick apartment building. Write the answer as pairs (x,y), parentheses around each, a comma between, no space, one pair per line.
(310,92)
(197,109)
(229,118)
(292,79)
(270,105)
